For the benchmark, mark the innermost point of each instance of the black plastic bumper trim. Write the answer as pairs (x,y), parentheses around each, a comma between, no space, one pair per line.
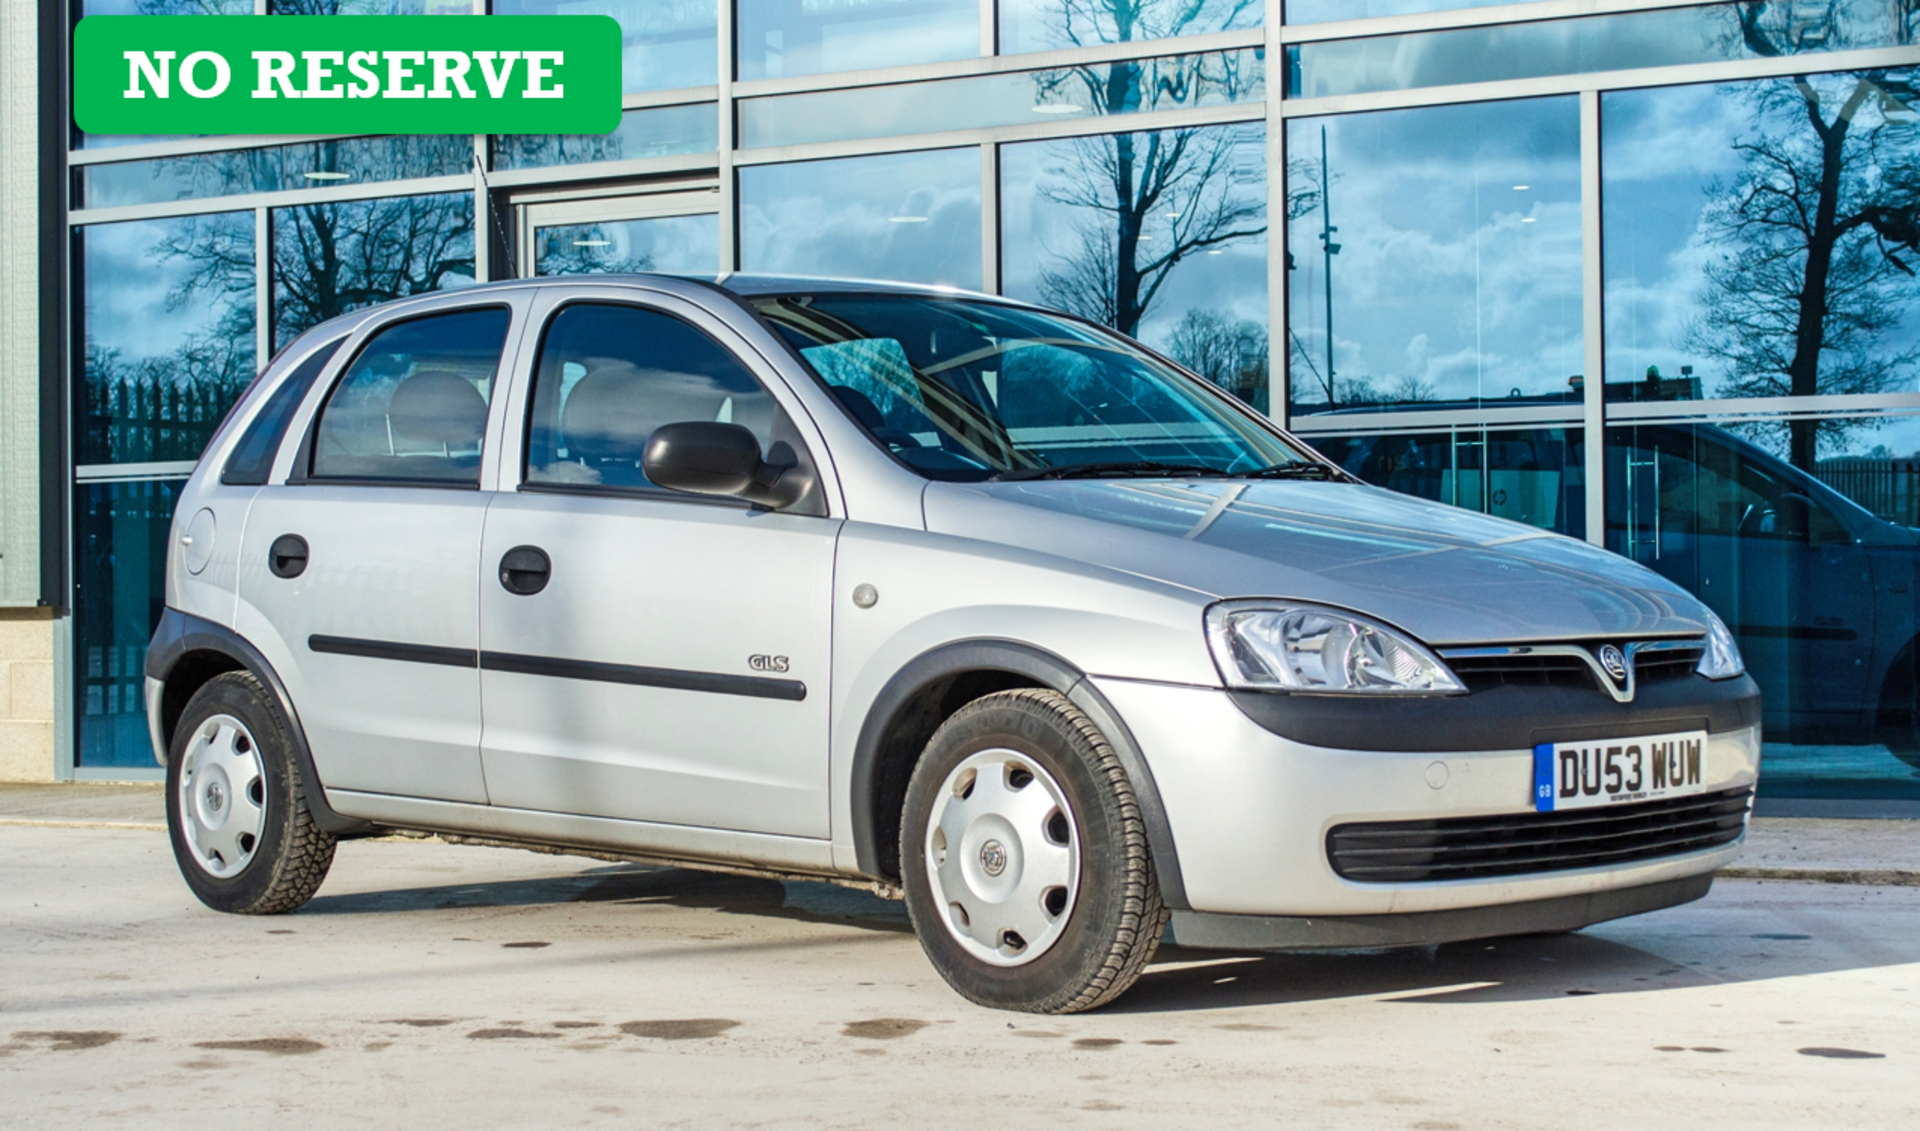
(594,671)
(676,679)
(392,650)
(1502,718)
(1212,931)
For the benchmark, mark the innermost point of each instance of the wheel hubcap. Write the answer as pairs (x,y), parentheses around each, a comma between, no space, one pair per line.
(223,796)
(1003,857)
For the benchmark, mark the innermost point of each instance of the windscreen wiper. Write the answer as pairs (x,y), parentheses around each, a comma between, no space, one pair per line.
(1115,469)
(1300,470)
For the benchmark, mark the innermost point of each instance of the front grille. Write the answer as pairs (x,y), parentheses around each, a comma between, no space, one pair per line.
(1666,663)
(1466,848)
(1482,672)
(1534,670)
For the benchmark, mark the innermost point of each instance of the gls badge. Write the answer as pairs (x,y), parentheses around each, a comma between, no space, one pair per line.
(767,663)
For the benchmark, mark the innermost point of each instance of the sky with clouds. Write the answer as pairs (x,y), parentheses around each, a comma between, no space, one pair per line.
(1459,260)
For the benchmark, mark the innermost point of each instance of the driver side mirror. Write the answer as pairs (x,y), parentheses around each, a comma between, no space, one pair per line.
(705,457)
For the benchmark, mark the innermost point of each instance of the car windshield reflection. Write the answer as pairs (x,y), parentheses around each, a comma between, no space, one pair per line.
(967,390)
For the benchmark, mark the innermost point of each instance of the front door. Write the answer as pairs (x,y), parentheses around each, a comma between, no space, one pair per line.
(646,654)
(361,570)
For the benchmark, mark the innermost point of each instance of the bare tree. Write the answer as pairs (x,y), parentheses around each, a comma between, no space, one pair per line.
(332,258)
(1232,355)
(1811,276)
(1078,23)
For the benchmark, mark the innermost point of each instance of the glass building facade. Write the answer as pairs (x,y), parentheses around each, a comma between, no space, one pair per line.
(1643,273)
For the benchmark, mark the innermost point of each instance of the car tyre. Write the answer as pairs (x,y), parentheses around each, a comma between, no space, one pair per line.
(236,804)
(1021,784)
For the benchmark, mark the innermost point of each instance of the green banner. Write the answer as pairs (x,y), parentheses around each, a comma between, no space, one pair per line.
(346,74)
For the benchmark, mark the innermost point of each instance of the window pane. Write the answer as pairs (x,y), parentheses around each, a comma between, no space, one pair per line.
(914,217)
(610,375)
(663,43)
(1050,25)
(1133,87)
(252,458)
(674,245)
(1820,593)
(783,38)
(662,131)
(413,405)
(329,259)
(84,8)
(1452,271)
(360,160)
(119,592)
(370,7)
(1595,43)
(1161,236)
(1719,218)
(1321,11)
(168,317)
(1530,475)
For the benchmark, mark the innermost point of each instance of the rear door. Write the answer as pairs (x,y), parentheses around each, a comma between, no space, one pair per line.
(647,654)
(359,572)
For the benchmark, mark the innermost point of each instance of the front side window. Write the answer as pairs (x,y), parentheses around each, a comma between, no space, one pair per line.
(413,405)
(609,375)
(970,390)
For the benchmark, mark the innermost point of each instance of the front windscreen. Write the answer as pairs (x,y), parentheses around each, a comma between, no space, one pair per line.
(964,389)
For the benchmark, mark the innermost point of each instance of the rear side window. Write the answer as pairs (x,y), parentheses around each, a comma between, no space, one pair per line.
(412,408)
(609,375)
(252,457)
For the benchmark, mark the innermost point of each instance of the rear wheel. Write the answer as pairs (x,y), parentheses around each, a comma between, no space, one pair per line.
(236,805)
(1024,858)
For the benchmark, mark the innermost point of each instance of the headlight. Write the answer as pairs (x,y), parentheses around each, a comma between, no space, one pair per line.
(1266,646)
(1722,659)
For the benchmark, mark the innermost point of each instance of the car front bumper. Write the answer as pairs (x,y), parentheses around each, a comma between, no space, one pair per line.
(1249,811)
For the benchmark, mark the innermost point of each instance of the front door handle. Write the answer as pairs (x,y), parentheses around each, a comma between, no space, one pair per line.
(525,570)
(287,557)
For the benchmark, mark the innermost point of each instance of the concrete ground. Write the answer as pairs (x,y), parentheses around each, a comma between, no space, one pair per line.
(442,985)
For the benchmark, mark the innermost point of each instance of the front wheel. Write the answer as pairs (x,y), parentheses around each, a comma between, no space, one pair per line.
(236,805)
(1025,860)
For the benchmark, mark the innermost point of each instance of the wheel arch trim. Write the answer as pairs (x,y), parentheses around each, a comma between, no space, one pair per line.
(1042,667)
(182,634)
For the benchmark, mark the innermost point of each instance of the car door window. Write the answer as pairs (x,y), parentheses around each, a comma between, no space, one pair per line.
(412,407)
(608,375)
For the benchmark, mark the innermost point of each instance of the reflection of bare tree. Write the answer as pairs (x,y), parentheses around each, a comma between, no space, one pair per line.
(329,259)
(1810,277)
(1077,23)
(1174,189)
(1231,354)
(1148,201)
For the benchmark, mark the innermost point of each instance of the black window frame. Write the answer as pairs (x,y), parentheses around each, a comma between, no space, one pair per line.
(302,472)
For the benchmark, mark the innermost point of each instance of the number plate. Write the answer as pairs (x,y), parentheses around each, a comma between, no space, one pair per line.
(1614,771)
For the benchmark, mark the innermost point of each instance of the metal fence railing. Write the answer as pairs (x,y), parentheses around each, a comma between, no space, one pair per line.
(1889,488)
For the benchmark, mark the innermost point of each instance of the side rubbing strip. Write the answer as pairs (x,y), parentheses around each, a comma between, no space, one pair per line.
(754,687)
(389,650)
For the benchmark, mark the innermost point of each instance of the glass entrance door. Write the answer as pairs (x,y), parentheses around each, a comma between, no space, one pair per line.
(675,232)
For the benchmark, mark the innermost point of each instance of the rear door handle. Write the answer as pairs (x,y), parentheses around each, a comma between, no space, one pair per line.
(287,557)
(525,570)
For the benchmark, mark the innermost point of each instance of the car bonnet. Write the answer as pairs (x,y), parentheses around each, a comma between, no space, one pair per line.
(1447,575)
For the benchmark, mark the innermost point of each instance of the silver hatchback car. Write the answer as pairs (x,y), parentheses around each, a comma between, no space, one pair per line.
(964,600)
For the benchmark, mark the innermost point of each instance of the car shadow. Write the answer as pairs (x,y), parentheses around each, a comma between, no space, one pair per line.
(638,886)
